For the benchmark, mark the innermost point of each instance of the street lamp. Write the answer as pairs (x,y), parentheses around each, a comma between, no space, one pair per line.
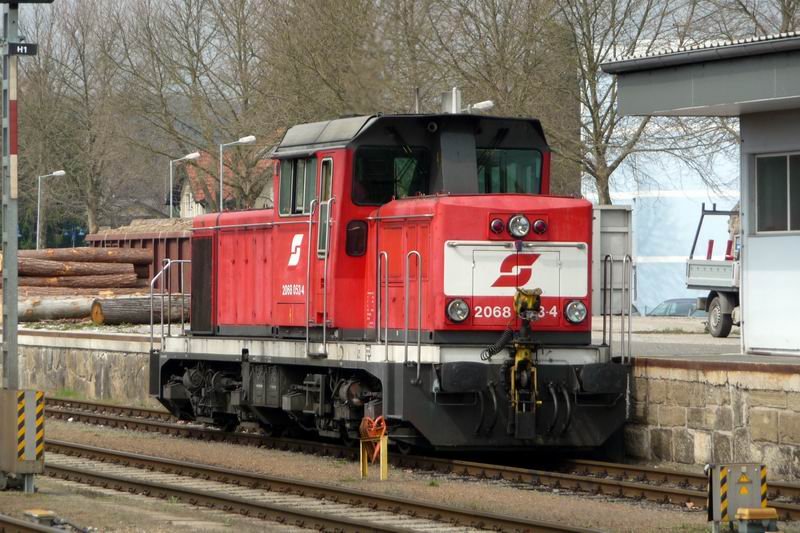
(57,173)
(250,139)
(187,157)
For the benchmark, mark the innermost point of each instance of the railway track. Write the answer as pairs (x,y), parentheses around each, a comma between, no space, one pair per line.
(13,525)
(609,479)
(291,502)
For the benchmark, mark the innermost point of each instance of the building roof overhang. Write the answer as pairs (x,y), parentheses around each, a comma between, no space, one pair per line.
(730,79)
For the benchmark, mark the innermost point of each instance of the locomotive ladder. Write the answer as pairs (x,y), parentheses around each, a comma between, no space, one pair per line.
(163,281)
(382,300)
(625,308)
(625,305)
(323,251)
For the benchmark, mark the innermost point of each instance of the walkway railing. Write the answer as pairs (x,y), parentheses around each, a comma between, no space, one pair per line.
(163,281)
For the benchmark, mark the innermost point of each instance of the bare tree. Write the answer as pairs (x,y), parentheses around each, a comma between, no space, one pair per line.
(72,112)
(603,30)
(194,74)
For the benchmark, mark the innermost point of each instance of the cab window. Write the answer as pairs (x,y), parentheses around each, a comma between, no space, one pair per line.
(386,172)
(509,171)
(298,185)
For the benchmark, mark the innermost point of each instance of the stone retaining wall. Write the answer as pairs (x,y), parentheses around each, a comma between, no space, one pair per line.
(697,413)
(107,369)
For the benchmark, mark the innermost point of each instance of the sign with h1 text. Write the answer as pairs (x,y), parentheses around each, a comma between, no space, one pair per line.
(22,49)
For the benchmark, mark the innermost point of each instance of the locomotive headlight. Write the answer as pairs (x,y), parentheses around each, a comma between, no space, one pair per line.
(457,310)
(575,311)
(519,226)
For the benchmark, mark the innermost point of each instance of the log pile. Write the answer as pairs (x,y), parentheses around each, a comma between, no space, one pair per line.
(84,268)
(68,283)
(114,311)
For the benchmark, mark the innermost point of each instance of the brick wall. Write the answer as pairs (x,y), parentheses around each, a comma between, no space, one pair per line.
(694,413)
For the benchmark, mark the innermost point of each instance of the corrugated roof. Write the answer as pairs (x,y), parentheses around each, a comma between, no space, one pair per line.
(708,51)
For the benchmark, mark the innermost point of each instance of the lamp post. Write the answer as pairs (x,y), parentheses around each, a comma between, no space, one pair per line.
(250,139)
(187,157)
(57,173)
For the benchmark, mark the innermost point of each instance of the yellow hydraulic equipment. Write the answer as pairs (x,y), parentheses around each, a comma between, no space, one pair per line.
(522,379)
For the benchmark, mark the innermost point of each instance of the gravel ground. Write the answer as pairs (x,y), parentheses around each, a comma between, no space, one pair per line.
(489,496)
(109,510)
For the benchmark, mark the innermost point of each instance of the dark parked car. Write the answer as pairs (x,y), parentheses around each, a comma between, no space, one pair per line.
(678,307)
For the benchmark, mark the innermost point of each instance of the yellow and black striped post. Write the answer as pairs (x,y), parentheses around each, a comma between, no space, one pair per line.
(22,434)
(21,425)
(763,486)
(39,425)
(723,494)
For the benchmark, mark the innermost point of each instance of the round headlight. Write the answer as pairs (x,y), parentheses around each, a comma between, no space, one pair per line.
(519,226)
(539,226)
(575,312)
(457,310)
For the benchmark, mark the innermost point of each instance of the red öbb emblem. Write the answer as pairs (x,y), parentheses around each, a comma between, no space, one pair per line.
(523,264)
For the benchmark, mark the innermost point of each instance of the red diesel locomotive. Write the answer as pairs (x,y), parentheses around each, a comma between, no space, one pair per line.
(415,267)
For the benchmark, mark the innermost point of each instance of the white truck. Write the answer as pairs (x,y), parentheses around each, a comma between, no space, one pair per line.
(719,277)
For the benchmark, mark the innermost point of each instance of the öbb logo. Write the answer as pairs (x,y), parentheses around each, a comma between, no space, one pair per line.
(297,243)
(516,270)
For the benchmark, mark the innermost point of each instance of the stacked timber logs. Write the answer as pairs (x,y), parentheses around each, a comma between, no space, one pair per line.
(106,312)
(83,268)
(63,283)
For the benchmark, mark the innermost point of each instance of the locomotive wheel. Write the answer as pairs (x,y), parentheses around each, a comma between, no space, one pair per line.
(404,448)
(227,424)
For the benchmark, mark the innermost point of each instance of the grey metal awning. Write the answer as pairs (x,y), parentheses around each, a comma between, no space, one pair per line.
(728,79)
(320,135)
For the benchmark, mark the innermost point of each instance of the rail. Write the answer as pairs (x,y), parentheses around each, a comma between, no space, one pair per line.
(418,257)
(657,485)
(165,288)
(625,305)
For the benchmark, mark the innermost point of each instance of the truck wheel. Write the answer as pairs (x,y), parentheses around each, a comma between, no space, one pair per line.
(719,323)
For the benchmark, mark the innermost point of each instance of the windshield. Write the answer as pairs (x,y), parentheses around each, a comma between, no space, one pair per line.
(386,172)
(509,171)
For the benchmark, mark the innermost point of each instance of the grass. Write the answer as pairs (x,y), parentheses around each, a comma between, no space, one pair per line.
(433,483)
(67,394)
(667,331)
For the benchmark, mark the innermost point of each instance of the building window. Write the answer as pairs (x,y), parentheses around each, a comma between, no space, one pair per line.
(298,185)
(778,193)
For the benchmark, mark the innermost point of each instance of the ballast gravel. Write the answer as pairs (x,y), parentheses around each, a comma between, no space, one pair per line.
(501,497)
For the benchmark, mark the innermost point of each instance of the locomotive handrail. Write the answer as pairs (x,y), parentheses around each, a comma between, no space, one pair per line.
(625,302)
(627,265)
(400,217)
(385,257)
(512,244)
(328,223)
(416,254)
(166,266)
(312,207)
(252,225)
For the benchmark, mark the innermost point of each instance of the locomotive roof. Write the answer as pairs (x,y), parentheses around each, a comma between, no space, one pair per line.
(338,133)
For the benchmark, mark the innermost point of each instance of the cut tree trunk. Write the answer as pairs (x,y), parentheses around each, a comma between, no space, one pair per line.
(137,310)
(29,266)
(137,256)
(49,308)
(79,282)
(29,292)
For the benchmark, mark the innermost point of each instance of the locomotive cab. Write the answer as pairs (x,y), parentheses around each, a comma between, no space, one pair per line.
(415,267)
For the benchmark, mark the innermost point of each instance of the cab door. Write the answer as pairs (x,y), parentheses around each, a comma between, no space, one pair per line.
(322,266)
(293,244)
